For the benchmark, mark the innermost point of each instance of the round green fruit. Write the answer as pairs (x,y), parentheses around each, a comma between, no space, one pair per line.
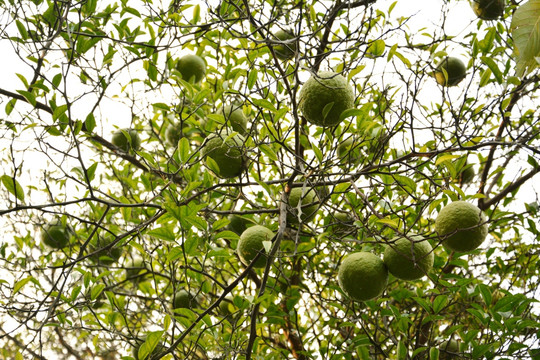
(192,68)
(238,224)
(409,260)
(488,9)
(324,97)
(174,133)
(251,243)
(288,46)
(450,71)
(462,226)
(105,257)
(449,349)
(467,174)
(126,139)
(309,205)
(349,152)
(184,300)
(341,224)
(135,269)
(362,276)
(229,153)
(56,235)
(235,118)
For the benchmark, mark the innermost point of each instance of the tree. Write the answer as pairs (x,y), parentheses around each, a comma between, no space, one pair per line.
(148,223)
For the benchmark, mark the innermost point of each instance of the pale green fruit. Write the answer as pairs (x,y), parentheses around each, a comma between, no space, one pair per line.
(408,260)
(229,153)
(488,9)
(235,118)
(126,139)
(462,226)
(174,133)
(251,243)
(341,224)
(238,224)
(192,68)
(287,49)
(104,257)
(324,97)
(56,235)
(450,71)
(449,349)
(308,200)
(184,300)
(362,276)
(135,269)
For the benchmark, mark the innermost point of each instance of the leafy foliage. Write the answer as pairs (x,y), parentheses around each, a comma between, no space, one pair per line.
(152,221)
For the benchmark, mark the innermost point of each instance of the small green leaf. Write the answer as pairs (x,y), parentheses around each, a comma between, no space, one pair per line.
(152,340)
(20,284)
(376,48)
(31,98)
(13,186)
(184,150)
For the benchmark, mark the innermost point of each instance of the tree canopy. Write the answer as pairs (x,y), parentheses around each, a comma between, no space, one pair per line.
(141,138)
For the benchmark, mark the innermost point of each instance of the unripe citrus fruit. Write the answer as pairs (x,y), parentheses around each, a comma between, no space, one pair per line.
(467,174)
(229,153)
(174,133)
(191,67)
(251,243)
(135,269)
(462,226)
(341,224)
(238,224)
(409,260)
(56,235)
(308,200)
(287,48)
(488,9)
(349,152)
(126,139)
(235,118)
(104,257)
(362,276)
(449,349)
(184,300)
(324,97)
(450,71)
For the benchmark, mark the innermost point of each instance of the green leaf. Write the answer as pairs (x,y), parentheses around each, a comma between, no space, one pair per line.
(152,340)
(90,122)
(184,150)
(22,30)
(28,96)
(525,29)
(20,284)
(376,48)
(13,186)
(494,68)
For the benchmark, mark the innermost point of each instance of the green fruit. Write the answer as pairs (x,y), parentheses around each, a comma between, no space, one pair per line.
(287,49)
(56,235)
(349,152)
(135,268)
(104,257)
(362,276)
(251,243)
(225,307)
(126,139)
(341,224)
(308,200)
(324,97)
(450,71)
(235,118)
(408,260)
(462,226)
(174,133)
(467,174)
(488,9)
(229,153)
(184,300)
(449,349)
(238,224)
(192,68)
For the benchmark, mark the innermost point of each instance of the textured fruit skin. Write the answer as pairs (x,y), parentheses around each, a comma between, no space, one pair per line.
(120,139)
(192,68)
(449,349)
(349,152)
(286,50)
(251,243)
(309,206)
(235,118)
(184,300)
(104,257)
(450,71)
(408,260)
(238,224)
(488,9)
(362,276)
(228,153)
(324,89)
(341,224)
(467,220)
(56,235)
